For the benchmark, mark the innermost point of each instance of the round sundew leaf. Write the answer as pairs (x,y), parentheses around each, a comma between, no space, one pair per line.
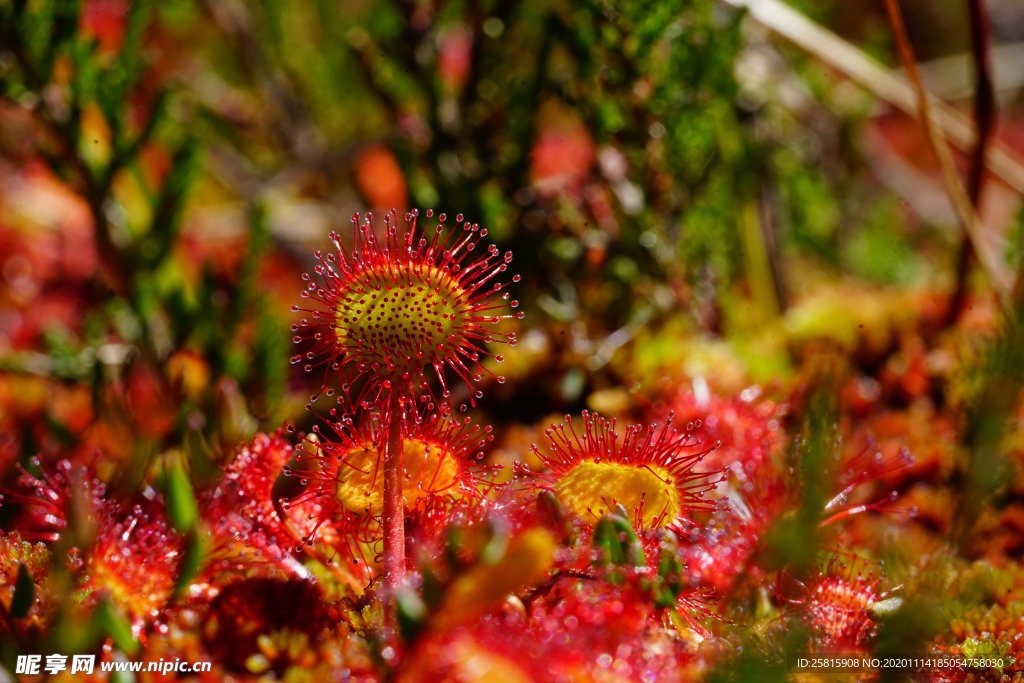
(393,307)
(646,471)
(396,325)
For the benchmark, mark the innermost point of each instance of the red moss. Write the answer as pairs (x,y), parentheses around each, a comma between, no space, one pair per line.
(242,512)
(838,605)
(46,501)
(579,630)
(134,560)
(126,551)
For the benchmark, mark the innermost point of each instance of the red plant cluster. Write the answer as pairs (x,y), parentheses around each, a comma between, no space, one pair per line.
(381,542)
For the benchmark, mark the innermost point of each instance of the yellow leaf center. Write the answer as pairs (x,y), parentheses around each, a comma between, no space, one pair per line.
(429,470)
(402,325)
(591,489)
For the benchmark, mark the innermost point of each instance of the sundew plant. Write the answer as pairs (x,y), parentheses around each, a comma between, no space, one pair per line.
(511,341)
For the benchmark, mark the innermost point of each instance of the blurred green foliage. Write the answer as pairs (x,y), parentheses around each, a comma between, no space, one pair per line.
(99,113)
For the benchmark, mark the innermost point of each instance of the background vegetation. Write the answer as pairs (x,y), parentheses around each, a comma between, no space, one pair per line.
(701,199)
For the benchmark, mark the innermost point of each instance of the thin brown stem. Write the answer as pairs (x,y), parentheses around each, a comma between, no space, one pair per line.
(853,63)
(990,261)
(394,503)
(985,124)
(984,96)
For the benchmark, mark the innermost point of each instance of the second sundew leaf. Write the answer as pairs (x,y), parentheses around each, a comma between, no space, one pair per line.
(418,304)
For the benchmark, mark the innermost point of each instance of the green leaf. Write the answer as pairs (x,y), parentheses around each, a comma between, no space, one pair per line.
(432,587)
(411,612)
(670,569)
(65,22)
(181,501)
(497,543)
(192,561)
(116,625)
(168,209)
(616,541)
(24,593)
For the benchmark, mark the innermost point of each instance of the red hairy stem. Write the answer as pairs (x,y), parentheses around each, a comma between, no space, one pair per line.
(394,505)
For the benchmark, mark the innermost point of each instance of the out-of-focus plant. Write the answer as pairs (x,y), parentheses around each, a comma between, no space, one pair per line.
(194,356)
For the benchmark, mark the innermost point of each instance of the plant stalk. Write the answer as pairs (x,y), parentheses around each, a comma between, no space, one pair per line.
(985,123)
(394,502)
(991,262)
